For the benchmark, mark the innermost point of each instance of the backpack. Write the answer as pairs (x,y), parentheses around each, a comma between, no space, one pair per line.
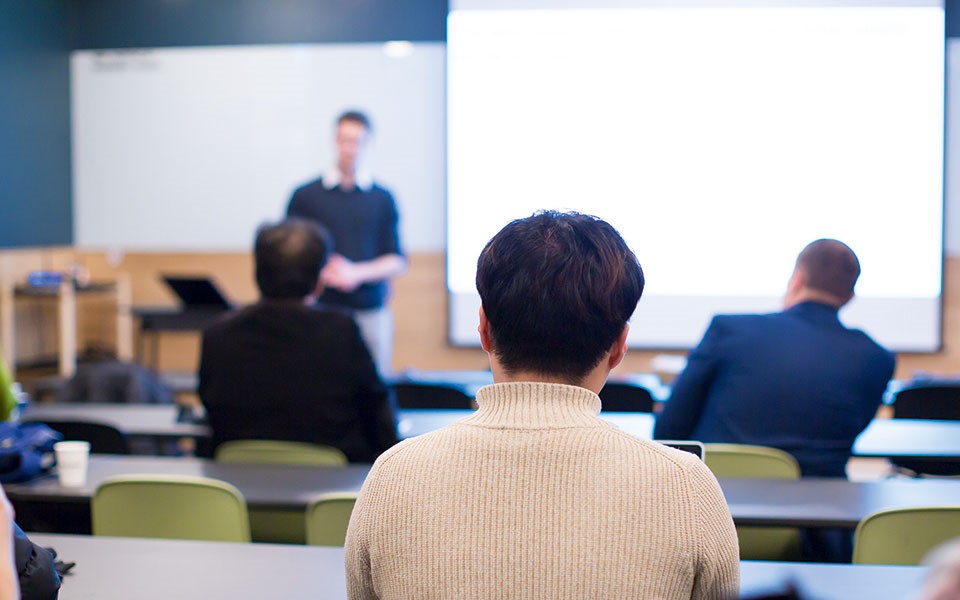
(26,450)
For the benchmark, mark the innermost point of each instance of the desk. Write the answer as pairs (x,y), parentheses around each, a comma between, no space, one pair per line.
(804,502)
(135,420)
(883,438)
(123,568)
(154,321)
(886,438)
(65,296)
(44,505)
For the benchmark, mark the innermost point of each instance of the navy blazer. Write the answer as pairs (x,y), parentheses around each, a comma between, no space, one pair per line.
(797,380)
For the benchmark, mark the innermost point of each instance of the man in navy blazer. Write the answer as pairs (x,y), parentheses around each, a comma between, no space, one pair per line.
(797,380)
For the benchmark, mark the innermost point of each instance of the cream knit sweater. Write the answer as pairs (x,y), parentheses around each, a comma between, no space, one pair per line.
(533,496)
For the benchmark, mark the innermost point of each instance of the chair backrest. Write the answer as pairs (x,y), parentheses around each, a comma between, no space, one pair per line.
(625,397)
(103,438)
(903,536)
(430,395)
(939,401)
(278,452)
(172,507)
(327,518)
(742,460)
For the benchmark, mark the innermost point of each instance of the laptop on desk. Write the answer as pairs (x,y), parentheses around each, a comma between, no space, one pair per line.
(197,293)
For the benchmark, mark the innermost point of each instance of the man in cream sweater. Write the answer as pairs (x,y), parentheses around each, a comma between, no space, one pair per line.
(534,496)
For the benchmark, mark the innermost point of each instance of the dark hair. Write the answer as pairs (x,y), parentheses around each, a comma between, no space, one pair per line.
(289,256)
(557,290)
(357,117)
(830,266)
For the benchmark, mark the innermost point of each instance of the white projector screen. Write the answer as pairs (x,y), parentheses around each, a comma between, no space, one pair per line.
(718,137)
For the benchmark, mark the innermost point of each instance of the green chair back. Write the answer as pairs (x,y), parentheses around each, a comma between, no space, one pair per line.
(278,452)
(740,460)
(903,536)
(171,507)
(278,525)
(327,518)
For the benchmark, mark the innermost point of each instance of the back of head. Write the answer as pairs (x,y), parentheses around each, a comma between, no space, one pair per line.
(557,290)
(289,256)
(830,266)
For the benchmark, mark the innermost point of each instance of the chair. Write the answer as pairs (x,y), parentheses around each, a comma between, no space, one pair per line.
(740,460)
(430,395)
(171,507)
(328,517)
(624,397)
(937,401)
(269,524)
(103,438)
(903,536)
(278,452)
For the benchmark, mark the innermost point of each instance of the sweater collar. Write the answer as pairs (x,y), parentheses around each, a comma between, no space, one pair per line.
(530,405)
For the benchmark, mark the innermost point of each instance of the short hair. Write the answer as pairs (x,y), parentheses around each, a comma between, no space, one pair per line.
(356,116)
(289,256)
(557,289)
(830,266)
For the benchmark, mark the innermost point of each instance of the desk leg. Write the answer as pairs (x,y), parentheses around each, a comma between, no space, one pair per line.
(67,308)
(124,319)
(7,320)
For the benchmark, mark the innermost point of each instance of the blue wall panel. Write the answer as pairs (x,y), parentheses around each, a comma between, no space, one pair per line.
(35,205)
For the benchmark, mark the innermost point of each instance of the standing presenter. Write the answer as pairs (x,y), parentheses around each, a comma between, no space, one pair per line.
(362,219)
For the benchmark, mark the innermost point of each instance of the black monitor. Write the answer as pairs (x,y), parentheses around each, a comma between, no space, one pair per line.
(196,292)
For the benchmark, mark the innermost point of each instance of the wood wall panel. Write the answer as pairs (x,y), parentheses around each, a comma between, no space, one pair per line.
(419,302)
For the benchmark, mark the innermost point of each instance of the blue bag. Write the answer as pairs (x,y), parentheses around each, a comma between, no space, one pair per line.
(25,450)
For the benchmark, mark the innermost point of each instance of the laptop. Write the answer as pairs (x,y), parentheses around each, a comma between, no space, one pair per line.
(693,447)
(197,292)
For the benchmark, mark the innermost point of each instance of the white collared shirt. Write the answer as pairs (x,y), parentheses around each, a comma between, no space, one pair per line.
(363,180)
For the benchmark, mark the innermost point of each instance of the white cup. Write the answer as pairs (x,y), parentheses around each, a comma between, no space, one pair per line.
(72,459)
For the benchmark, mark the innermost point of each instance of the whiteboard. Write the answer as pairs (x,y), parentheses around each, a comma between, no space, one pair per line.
(193,148)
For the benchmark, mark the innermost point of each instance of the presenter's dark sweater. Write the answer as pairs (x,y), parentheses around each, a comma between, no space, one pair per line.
(363,224)
(280,370)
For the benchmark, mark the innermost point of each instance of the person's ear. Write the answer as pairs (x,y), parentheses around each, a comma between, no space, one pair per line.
(619,348)
(484,330)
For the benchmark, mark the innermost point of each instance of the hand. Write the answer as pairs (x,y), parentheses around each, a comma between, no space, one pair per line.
(341,274)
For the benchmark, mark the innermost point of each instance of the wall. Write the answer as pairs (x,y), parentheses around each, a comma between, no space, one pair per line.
(419,303)
(34,123)
(156,23)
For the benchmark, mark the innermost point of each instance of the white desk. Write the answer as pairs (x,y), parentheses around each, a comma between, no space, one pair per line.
(120,569)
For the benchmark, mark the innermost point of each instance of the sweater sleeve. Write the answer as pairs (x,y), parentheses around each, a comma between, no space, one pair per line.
(718,561)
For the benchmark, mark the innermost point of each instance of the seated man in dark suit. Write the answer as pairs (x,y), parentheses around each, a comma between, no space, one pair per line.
(797,380)
(282,370)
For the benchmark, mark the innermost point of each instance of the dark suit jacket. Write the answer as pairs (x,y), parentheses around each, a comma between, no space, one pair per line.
(280,370)
(797,380)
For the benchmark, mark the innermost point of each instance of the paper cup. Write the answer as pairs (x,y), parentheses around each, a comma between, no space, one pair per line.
(72,458)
